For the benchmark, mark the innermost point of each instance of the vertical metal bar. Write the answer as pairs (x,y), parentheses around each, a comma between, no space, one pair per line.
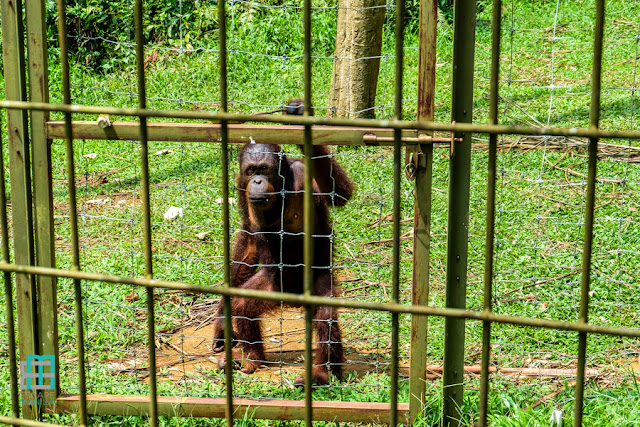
(73,214)
(42,182)
(397,170)
(423,158)
(8,291)
(309,218)
(458,218)
(20,179)
(144,175)
(491,210)
(395,320)
(594,123)
(224,160)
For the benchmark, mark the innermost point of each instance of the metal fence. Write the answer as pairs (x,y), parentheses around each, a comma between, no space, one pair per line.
(33,230)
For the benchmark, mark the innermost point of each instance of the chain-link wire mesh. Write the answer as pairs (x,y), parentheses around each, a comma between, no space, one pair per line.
(546,61)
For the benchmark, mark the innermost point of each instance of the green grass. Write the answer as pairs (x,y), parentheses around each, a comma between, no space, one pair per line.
(540,203)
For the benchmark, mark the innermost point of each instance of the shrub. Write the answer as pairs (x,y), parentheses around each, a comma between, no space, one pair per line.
(98,27)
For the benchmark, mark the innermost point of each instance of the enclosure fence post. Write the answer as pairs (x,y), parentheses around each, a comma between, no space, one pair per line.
(42,182)
(423,159)
(144,175)
(458,217)
(20,181)
(491,210)
(8,290)
(594,123)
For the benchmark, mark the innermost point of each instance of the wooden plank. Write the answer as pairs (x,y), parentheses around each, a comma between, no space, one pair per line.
(42,181)
(239,134)
(423,157)
(20,178)
(102,404)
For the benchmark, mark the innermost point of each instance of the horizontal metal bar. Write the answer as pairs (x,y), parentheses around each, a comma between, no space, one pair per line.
(238,134)
(319,120)
(297,299)
(23,422)
(365,412)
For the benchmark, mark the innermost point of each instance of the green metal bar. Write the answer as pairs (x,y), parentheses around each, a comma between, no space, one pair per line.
(8,291)
(397,170)
(228,323)
(309,218)
(423,158)
(42,181)
(73,213)
(226,238)
(325,121)
(298,299)
(594,122)
(491,210)
(144,175)
(21,189)
(458,218)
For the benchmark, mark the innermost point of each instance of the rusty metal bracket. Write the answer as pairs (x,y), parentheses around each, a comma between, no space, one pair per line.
(414,150)
(411,164)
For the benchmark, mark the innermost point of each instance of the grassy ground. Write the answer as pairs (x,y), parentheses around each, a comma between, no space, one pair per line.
(546,65)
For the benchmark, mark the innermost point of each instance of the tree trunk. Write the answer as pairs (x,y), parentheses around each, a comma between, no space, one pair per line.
(355,79)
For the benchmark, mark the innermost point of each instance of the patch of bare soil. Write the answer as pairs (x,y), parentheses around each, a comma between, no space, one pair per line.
(187,353)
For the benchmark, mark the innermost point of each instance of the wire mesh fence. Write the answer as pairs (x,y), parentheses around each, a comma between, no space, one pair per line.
(187,248)
(183,65)
(541,200)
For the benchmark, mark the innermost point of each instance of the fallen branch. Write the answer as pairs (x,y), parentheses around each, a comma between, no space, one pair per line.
(389,219)
(560,201)
(581,175)
(97,179)
(619,282)
(524,372)
(367,283)
(406,236)
(550,396)
(528,297)
(540,282)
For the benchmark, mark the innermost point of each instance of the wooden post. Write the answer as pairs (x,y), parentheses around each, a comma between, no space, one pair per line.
(42,182)
(423,160)
(20,176)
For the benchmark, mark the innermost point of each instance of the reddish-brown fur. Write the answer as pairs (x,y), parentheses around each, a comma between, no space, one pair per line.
(266,259)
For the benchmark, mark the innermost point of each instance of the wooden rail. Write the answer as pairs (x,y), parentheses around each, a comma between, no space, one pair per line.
(276,409)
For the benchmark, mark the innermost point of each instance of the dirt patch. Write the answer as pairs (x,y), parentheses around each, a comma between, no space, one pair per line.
(187,353)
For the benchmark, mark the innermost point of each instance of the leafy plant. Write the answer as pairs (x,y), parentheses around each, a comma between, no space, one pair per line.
(97,29)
